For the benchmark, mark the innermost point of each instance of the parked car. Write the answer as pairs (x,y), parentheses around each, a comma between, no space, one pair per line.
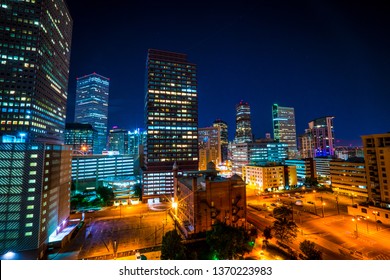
(299,202)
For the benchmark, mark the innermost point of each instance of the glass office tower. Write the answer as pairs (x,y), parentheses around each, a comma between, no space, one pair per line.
(92,106)
(171,120)
(35,39)
(224,138)
(35,42)
(283,119)
(243,123)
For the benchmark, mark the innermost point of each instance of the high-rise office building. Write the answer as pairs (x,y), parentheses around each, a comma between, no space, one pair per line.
(257,153)
(171,120)
(209,139)
(283,119)
(377,162)
(81,137)
(137,140)
(318,140)
(224,138)
(35,42)
(92,106)
(118,140)
(243,123)
(35,55)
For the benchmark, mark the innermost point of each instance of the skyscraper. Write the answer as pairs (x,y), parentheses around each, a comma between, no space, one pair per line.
(118,140)
(35,54)
(209,146)
(171,120)
(243,123)
(224,138)
(318,140)
(283,119)
(92,106)
(35,41)
(81,137)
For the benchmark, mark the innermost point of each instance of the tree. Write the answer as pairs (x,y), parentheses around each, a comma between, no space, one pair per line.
(172,248)
(309,181)
(282,212)
(308,249)
(105,194)
(227,242)
(285,229)
(267,234)
(138,191)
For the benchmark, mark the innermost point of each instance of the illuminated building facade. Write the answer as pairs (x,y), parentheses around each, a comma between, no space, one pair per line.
(137,140)
(224,138)
(305,169)
(377,157)
(171,120)
(243,123)
(203,198)
(34,195)
(283,119)
(81,137)
(118,140)
(269,177)
(89,168)
(349,177)
(92,106)
(323,169)
(318,140)
(35,54)
(259,152)
(209,146)
(35,42)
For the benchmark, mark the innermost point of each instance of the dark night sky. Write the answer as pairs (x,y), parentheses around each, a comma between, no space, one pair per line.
(320,57)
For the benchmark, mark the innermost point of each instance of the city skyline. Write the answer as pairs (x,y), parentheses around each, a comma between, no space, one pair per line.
(321,59)
(161,192)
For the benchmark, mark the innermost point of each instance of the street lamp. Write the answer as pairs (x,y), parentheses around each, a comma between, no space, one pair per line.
(376,222)
(174,206)
(366,218)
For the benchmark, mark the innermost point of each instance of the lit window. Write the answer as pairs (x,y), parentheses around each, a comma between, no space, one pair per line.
(29,233)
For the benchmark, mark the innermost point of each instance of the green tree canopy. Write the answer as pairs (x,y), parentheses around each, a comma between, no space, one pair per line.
(308,249)
(105,194)
(282,212)
(285,229)
(227,242)
(172,247)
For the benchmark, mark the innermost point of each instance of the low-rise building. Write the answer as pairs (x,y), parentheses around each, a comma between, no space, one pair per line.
(203,198)
(269,178)
(305,169)
(349,177)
